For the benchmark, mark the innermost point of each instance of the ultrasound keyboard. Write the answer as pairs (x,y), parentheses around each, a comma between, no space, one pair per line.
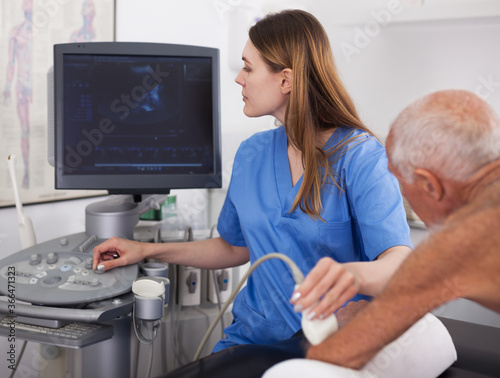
(72,335)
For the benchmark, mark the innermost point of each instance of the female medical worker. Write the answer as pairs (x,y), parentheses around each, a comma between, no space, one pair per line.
(316,188)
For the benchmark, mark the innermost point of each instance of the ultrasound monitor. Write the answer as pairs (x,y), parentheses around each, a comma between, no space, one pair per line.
(136,118)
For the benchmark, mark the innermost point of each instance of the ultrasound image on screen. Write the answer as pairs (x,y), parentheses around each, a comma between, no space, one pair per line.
(124,114)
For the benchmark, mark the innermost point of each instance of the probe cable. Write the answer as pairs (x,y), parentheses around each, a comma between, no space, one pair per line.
(216,287)
(298,277)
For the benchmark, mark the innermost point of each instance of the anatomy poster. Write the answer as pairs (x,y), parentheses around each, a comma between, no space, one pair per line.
(28,31)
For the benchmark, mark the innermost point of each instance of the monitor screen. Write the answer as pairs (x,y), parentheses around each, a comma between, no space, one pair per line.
(136,118)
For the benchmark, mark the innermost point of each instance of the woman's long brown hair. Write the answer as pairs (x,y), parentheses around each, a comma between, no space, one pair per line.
(318,101)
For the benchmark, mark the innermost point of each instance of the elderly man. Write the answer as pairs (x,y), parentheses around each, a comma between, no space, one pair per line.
(445,151)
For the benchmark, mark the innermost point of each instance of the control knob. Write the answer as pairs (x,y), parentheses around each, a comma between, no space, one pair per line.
(88,263)
(52,258)
(35,259)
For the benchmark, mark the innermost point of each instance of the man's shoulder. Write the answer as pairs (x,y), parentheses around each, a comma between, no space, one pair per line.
(476,222)
(483,205)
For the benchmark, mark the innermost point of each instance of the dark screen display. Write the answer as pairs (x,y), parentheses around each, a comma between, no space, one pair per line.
(132,114)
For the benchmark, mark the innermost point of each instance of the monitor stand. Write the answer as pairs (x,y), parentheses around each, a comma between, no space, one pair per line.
(118,215)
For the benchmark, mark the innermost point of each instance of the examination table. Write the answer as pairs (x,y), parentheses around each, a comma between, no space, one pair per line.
(478,350)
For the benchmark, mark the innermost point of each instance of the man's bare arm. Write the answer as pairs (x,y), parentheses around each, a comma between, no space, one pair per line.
(426,280)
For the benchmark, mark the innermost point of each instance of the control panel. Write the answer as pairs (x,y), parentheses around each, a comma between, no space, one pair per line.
(59,272)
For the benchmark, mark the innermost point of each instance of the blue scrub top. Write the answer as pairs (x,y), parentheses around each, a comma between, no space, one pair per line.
(361,222)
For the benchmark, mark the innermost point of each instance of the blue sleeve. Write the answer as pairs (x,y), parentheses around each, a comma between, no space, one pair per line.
(375,200)
(228,224)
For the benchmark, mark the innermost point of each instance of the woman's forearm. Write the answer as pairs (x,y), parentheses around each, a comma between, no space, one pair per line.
(206,254)
(373,275)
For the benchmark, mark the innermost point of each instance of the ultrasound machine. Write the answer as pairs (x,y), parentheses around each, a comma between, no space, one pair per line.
(136,120)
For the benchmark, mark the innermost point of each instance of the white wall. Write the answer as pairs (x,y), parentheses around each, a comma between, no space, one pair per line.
(408,60)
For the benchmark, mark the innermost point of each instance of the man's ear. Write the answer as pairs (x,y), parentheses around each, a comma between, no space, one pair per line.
(429,183)
(286,80)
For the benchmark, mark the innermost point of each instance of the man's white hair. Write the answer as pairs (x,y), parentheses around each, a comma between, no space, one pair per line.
(452,133)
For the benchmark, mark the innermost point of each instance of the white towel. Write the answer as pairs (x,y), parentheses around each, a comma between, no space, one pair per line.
(424,351)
